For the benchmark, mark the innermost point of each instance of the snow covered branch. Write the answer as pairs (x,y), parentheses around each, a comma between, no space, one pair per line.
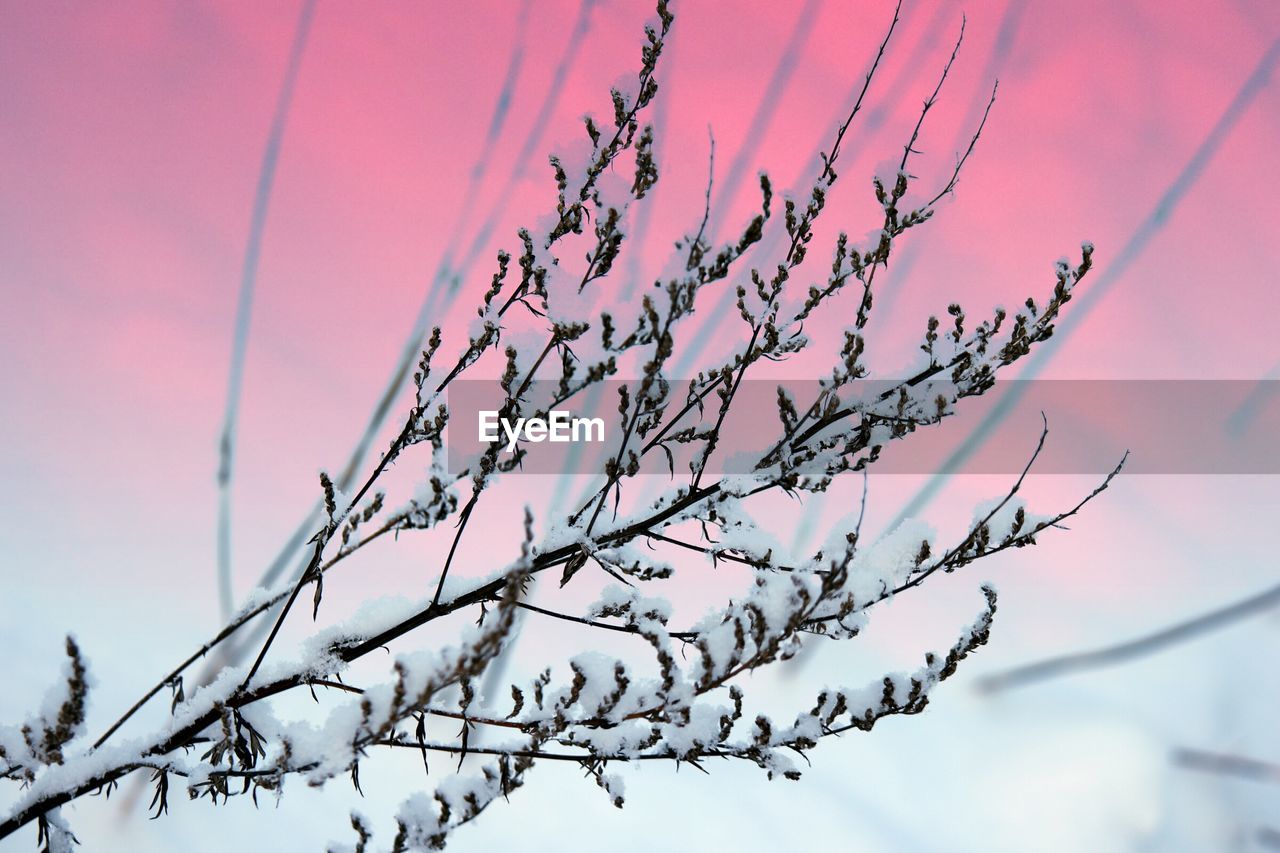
(545,316)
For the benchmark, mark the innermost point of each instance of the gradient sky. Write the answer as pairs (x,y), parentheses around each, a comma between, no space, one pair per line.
(131,141)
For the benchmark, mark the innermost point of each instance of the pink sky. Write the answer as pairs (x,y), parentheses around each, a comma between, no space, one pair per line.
(132,143)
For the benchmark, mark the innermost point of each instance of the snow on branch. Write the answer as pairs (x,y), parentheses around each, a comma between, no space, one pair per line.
(545,315)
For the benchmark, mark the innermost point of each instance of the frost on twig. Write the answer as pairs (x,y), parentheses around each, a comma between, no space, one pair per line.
(40,740)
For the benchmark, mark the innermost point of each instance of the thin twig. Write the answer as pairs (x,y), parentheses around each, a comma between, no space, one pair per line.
(244,304)
(1240,766)
(1161,640)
